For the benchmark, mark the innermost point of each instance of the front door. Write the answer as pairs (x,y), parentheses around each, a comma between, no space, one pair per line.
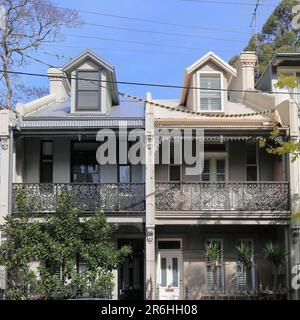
(131,272)
(169,275)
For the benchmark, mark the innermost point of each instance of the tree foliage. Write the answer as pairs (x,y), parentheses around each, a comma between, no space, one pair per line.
(63,239)
(28,24)
(277,35)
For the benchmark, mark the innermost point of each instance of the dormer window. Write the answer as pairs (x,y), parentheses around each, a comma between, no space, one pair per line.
(88,90)
(210,99)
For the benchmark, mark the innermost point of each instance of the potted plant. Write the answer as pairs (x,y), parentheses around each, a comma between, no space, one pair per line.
(245,256)
(276,254)
(213,253)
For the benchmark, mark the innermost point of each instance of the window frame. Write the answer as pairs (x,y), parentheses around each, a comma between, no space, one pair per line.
(222,265)
(42,160)
(213,157)
(72,163)
(169,173)
(252,165)
(99,109)
(253,276)
(130,173)
(198,95)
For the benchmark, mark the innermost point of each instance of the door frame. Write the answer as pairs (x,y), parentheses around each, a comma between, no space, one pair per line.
(178,253)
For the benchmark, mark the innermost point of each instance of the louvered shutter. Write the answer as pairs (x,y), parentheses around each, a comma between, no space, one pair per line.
(88,90)
(209,272)
(210,100)
(220,170)
(251,154)
(205,176)
(241,282)
(241,277)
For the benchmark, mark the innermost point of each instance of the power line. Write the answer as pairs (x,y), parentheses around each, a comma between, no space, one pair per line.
(157,21)
(129,50)
(159,85)
(254,15)
(163,33)
(134,42)
(229,3)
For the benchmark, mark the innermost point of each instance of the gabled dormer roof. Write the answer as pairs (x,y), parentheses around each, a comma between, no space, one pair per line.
(103,64)
(210,56)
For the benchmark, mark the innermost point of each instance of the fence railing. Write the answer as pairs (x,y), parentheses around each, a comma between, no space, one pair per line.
(240,196)
(110,197)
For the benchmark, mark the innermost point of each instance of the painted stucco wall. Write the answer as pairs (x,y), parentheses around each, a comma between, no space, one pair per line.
(61,164)
(237,170)
(193,253)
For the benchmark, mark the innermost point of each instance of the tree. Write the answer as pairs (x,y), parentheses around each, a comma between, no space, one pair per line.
(276,254)
(58,244)
(245,253)
(277,35)
(27,25)
(21,244)
(213,253)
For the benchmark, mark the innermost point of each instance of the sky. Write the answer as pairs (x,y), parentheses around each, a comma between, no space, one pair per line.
(154,63)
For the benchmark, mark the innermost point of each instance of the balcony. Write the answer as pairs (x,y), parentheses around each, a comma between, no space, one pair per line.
(109,197)
(231,196)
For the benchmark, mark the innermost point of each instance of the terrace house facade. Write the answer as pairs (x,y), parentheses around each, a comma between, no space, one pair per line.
(167,216)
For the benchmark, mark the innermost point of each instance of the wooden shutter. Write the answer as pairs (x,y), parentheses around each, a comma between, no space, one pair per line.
(206,173)
(220,170)
(210,100)
(88,90)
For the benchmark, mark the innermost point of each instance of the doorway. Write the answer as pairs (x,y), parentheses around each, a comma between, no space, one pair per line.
(131,272)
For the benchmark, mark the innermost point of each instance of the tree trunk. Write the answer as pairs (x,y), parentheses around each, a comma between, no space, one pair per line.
(7,82)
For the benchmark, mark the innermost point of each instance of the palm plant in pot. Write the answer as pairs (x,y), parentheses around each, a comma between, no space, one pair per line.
(213,254)
(276,254)
(245,257)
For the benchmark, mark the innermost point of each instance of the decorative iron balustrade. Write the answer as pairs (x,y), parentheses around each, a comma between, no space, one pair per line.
(109,197)
(236,196)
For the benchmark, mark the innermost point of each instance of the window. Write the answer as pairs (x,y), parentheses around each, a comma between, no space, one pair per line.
(241,272)
(175,173)
(214,169)
(220,271)
(210,100)
(205,176)
(88,91)
(46,173)
(169,245)
(85,168)
(124,173)
(251,154)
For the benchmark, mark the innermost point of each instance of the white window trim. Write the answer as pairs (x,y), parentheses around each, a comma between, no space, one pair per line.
(217,156)
(198,73)
(103,91)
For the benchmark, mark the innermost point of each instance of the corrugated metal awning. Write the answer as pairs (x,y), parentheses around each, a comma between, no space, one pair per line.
(81,123)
